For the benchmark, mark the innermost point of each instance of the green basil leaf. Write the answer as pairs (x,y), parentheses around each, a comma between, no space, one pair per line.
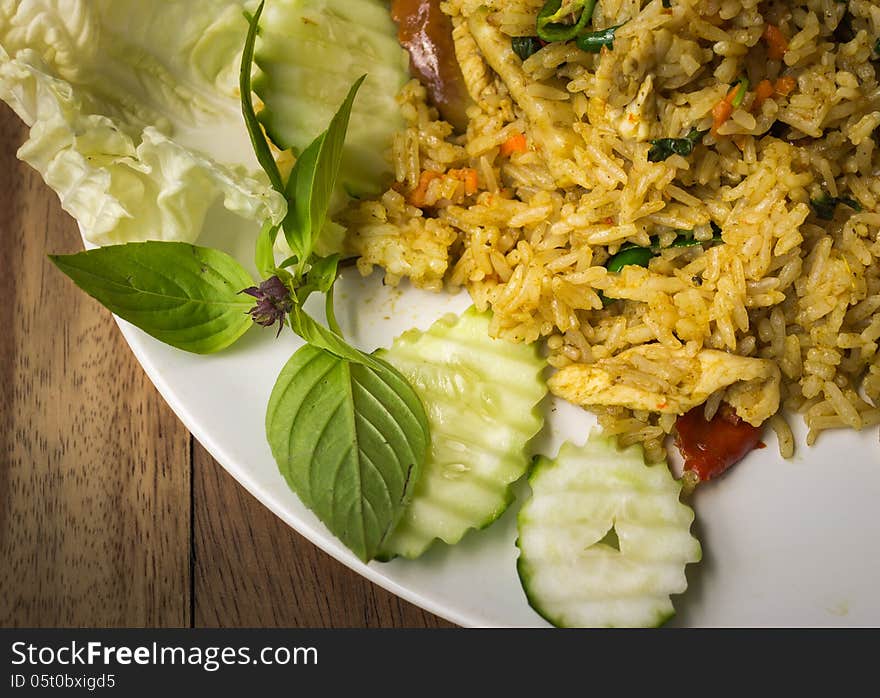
(320,277)
(313,180)
(593,42)
(350,440)
(255,130)
(264,255)
(183,295)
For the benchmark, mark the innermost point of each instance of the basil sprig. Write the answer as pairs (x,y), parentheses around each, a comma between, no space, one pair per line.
(349,433)
(313,180)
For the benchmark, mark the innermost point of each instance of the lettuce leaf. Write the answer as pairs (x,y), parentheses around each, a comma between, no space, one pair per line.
(110,89)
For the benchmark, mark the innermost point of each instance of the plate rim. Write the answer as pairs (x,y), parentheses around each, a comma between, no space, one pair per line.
(139,349)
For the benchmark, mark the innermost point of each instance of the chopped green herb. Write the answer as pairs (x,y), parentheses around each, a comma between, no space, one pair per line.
(558,23)
(826,205)
(525,46)
(663,148)
(592,42)
(741,92)
(630,255)
(638,255)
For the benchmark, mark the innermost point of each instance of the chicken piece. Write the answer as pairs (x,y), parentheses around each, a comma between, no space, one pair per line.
(635,121)
(549,120)
(673,381)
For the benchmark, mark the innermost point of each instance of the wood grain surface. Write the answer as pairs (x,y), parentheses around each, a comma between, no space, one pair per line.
(111,514)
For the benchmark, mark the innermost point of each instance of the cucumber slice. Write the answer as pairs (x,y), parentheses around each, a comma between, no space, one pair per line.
(309,53)
(481,396)
(604,539)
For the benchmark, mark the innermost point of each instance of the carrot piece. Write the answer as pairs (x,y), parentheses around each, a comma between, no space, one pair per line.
(785,85)
(467,175)
(721,112)
(764,91)
(417,197)
(777,44)
(515,144)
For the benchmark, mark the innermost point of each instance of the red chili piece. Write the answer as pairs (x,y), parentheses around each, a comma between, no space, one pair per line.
(710,447)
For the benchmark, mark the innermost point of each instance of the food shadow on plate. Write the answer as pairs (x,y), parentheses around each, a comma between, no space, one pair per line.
(697,574)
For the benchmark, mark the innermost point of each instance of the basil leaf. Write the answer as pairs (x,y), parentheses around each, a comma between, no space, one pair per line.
(663,148)
(183,295)
(525,46)
(320,277)
(255,131)
(313,180)
(593,42)
(350,440)
(264,254)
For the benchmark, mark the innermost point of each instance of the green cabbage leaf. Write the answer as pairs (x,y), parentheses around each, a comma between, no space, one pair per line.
(113,91)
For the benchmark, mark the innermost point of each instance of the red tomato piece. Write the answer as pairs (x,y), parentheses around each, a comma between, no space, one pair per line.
(710,447)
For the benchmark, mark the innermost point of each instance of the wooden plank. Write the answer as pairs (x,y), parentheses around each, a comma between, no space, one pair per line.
(94,468)
(252,570)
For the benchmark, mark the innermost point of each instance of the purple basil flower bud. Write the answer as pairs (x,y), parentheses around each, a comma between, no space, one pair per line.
(273,302)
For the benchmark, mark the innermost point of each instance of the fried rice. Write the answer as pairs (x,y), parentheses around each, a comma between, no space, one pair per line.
(785,303)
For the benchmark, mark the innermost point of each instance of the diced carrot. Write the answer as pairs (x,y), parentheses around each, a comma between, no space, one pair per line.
(777,44)
(467,175)
(763,92)
(721,112)
(785,85)
(417,197)
(515,144)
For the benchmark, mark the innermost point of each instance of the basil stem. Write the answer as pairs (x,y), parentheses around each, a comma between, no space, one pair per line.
(525,46)
(550,27)
(592,42)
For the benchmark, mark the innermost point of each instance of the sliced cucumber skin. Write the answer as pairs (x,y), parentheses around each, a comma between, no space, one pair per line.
(309,53)
(573,501)
(481,396)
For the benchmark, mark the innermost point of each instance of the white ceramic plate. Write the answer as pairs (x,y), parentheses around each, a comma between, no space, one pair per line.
(785,543)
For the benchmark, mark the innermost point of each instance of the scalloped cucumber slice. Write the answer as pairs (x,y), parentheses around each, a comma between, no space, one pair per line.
(481,396)
(309,53)
(604,539)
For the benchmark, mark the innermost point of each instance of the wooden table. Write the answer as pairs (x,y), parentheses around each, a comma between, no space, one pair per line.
(111,514)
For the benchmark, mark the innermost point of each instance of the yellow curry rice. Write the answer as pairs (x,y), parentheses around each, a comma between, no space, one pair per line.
(789,294)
